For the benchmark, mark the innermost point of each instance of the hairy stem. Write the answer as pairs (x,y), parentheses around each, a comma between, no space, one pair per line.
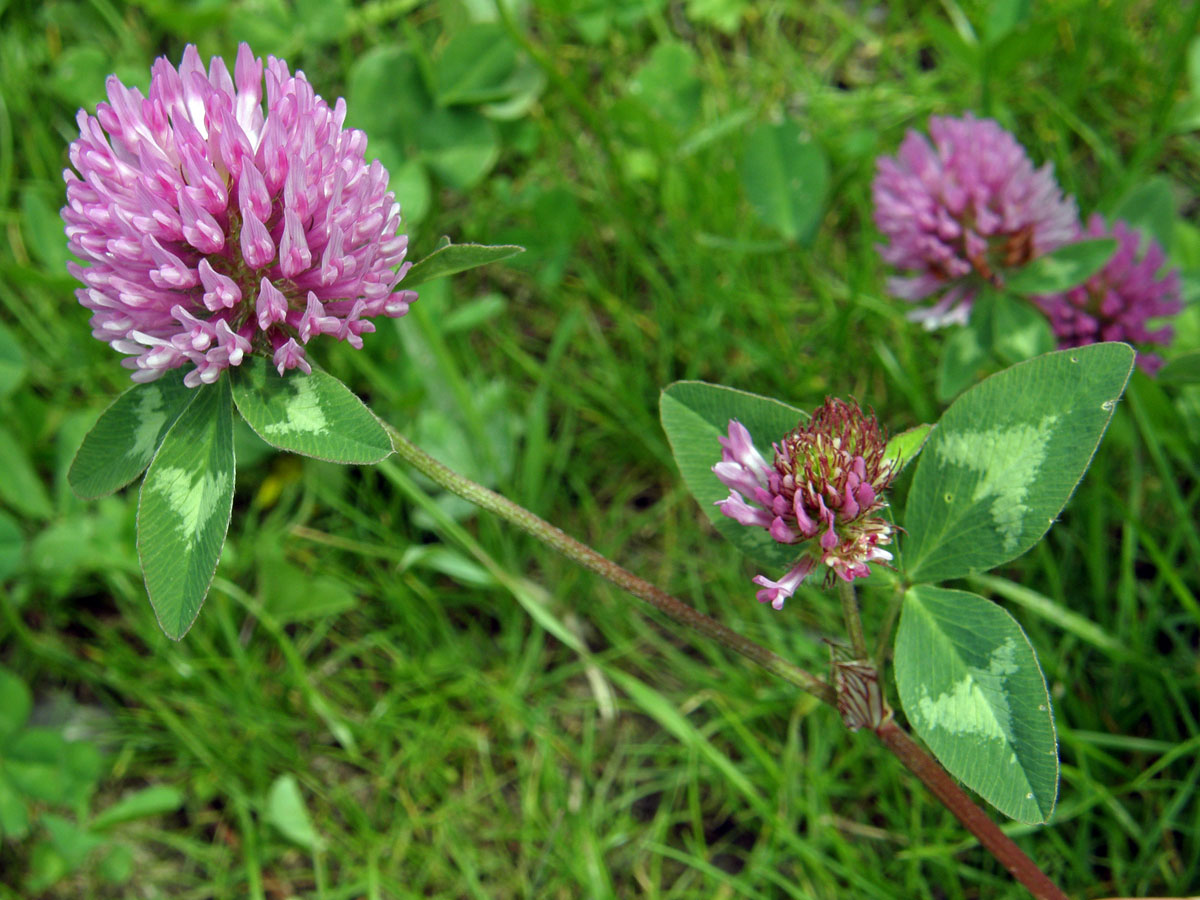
(939,782)
(601,565)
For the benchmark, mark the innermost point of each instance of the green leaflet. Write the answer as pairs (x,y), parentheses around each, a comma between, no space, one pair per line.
(184,508)
(1006,456)
(971,686)
(126,436)
(313,415)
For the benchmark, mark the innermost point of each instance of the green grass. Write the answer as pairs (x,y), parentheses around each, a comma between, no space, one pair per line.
(399,658)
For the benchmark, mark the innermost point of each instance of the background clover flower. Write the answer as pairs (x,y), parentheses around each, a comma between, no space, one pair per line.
(214,230)
(1117,303)
(958,210)
(822,493)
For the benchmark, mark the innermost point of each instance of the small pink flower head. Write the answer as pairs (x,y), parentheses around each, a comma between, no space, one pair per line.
(957,211)
(214,230)
(1117,303)
(821,493)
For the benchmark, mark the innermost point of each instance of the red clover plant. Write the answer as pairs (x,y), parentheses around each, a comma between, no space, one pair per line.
(221,238)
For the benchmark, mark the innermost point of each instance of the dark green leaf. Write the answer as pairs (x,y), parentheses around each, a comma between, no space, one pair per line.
(313,415)
(1005,458)
(1061,269)
(694,416)
(786,178)
(450,259)
(127,435)
(971,686)
(184,508)
(475,65)
(459,145)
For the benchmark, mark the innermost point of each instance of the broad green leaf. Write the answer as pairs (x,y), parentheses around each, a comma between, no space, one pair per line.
(667,84)
(972,688)
(152,801)
(1005,458)
(34,759)
(72,842)
(286,811)
(1150,208)
(184,508)
(450,259)
(313,415)
(475,65)
(1183,369)
(15,704)
(126,436)
(385,96)
(46,866)
(12,362)
(1062,268)
(786,179)
(695,415)
(459,145)
(20,486)
(904,447)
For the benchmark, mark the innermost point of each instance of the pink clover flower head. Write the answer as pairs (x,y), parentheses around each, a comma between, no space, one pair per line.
(214,230)
(822,494)
(1118,302)
(959,210)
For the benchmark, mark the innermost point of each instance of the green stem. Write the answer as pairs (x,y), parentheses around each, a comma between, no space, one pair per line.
(854,628)
(622,578)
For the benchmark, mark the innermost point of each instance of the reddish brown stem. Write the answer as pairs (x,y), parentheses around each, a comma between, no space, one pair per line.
(1000,845)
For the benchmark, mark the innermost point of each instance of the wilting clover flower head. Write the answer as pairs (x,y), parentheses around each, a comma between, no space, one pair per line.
(214,231)
(960,209)
(1117,303)
(822,493)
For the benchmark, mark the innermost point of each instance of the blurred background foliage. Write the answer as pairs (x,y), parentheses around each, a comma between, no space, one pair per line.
(389,696)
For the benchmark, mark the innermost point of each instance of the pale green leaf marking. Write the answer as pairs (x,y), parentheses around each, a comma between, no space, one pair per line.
(194,497)
(150,411)
(126,436)
(1008,460)
(970,682)
(302,411)
(315,415)
(978,703)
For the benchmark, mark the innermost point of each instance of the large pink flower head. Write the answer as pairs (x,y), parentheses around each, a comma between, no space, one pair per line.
(214,230)
(822,493)
(1117,303)
(958,211)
